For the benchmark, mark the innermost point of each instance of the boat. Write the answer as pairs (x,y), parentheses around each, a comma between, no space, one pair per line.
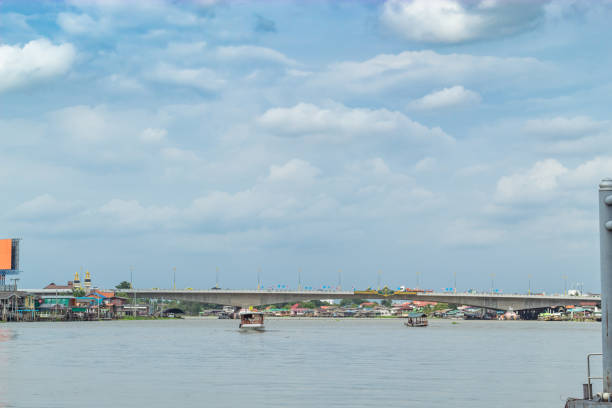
(416,319)
(251,320)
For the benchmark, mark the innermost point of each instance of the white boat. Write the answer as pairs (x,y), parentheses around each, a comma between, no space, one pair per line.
(251,320)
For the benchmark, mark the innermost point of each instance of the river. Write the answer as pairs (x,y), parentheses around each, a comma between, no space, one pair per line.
(295,363)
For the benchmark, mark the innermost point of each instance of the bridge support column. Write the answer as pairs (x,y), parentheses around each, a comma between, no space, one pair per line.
(605,242)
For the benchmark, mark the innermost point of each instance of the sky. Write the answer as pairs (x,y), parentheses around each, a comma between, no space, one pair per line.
(339,141)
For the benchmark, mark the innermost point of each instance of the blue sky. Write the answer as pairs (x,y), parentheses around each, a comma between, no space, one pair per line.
(429,137)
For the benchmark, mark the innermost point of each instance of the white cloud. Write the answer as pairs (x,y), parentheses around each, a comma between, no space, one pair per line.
(533,184)
(564,127)
(590,173)
(389,70)
(175,154)
(36,61)
(153,135)
(340,123)
(203,79)
(425,164)
(84,124)
(186,48)
(253,52)
(78,23)
(131,215)
(466,233)
(292,171)
(447,97)
(452,21)
(134,13)
(42,206)
(549,179)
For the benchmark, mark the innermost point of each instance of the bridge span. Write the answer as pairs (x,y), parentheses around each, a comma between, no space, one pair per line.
(246,298)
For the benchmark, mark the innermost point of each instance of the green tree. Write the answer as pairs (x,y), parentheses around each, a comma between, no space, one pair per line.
(351,302)
(124,285)
(386,302)
(78,292)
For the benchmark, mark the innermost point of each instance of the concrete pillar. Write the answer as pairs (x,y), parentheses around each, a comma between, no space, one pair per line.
(605,248)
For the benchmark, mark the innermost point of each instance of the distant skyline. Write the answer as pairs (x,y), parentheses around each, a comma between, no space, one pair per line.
(411,137)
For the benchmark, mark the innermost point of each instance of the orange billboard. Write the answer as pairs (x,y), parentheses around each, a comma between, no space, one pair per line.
(5,253)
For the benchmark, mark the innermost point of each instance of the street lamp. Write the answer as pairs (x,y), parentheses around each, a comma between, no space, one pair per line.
(492,282)
(339,279)
(455,282)
(258,278)
(174,277)
(133,293)
(529,288)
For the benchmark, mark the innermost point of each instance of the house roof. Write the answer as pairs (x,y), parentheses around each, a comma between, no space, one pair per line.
(416,314)
(52,285)
(99,293)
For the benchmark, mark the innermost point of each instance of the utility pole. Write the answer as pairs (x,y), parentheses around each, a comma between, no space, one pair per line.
(299,278)
(133,294)
(564,284)
(339,279)
(529,287)
(455,282)
(492,283)
(258,278)
(174,277)
(217,278)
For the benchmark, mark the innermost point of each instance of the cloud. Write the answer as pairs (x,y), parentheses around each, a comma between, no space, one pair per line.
(548,180)
(124,14)
(202,79)
(590,173)
(340,123)
(452,21)
(78,23)
(466,233)
(387,71)
(84,124)
(534,184)
(174,154)
(253,52)
(563,127)
(293,170)
(153,135)
(425,164)
(131,215)
(445,98)
(44,206)
(36,61)
(186,48)
(264,25)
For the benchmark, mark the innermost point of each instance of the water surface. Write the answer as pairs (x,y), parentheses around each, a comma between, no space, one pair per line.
(296,363)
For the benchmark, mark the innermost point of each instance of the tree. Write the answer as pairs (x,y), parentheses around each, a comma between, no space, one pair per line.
(78,292)
(386,302)
(350,302)
(124,285)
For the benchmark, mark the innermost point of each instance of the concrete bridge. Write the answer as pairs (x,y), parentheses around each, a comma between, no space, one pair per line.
(245,298)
